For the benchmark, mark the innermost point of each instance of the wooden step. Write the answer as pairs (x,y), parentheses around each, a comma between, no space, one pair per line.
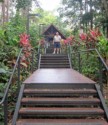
(54,55)
(54,59)
(61,122)
(61,112)
(53,63)
(55,86)
(55,66)
(60,101)
(60,92)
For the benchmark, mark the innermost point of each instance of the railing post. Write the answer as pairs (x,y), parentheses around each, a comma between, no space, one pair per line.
(74,61)
(19,73)
(32,61)
(6,111)
(71,58)
(38,56)
(67,49)
(100,75)
(70,55)
(79,62)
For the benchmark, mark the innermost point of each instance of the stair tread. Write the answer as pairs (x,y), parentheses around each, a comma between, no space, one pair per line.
(54,58)
(61,99)
(61,111)
(55,66)
(45,55)
(60,91)
(54,63)
(57,59)
(61,122)
(54,55)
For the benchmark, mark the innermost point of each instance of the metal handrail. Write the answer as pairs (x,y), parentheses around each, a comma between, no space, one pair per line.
(39,54)
(102,59)
(4,100)
(39,49)
(102,101)
(9,83)
(39,61)
(103,62)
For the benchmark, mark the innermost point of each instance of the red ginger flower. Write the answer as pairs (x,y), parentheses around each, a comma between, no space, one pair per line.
(83,36)
(93,33)
(65,41)
(24,40)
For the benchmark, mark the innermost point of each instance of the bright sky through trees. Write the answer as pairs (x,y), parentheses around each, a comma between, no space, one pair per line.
(50,5)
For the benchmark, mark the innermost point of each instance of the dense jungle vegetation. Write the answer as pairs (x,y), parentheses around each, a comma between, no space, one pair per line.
(74,15)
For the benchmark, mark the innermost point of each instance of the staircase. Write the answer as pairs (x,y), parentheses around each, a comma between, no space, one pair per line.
(50,60)
(54,61)
(60,104)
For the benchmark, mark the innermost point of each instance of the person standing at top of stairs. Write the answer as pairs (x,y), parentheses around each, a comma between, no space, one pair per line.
(56,42)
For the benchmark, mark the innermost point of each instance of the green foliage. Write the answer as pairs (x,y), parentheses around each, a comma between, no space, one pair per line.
(77,12)
(88,62)
(70,9)
(1,0)
(9,47)
(46,19)
(34,35)
(87,17)
(23,3)
(103,45)
(14,29)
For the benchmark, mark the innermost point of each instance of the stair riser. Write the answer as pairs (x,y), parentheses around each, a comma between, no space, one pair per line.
(60,86)
(54,57)
(59,95)
(54,67)
(55,64)
(64,115)
(54,61)
(61,104)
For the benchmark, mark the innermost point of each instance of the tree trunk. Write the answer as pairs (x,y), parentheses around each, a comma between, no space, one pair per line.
(3,13)
(25,12)
(105,6)
(91,22)
(7,10)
